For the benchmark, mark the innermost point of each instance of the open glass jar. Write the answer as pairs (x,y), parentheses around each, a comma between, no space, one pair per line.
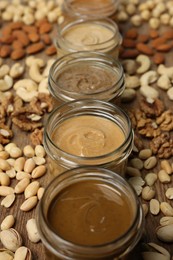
(90,8)
(88,34)
(89,213)
(86,133)
(82,75)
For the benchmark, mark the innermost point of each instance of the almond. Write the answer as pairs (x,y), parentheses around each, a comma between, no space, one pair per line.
(158,41)
(5,51)
(132,33)
(143,38)
(35,47)
(34,37)
(17,44)
(45,28)
(164,47)
(21,36)
(51,50)
(128,54)
(168,34)
(143,48)
(153,34)
(29,29)
(46,39)
(16,25)
(7,39)
(18,54)
(128,43)
(158,58)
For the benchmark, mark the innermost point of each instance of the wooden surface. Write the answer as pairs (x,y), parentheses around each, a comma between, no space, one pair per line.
(151,222)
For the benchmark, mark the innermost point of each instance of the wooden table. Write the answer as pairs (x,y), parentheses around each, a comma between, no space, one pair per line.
(21,139)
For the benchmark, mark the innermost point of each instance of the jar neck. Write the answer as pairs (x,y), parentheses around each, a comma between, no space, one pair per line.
(62,249)
(103,46)
(93,108)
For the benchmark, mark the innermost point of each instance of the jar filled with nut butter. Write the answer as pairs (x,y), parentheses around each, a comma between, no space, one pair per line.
(88,132)
(86,75)
(90,8)
(89,213)
(88,34)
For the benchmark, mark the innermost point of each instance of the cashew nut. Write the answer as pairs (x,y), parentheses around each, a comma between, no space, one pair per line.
(164,82)
(150,93)
(16,70)
(162,69)
(170,93)
(6,83)
(132,82)
(129,66)
(148,77)
(47,69)
(28,84)
(43,86)
(4,70)
(34,70)
(145,63)
(26,95)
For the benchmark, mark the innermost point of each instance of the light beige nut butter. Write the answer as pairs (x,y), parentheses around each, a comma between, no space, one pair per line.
(88,136)
(90,213)
(86,34)
(85,133)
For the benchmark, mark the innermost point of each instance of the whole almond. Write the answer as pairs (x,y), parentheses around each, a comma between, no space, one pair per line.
(143,38)
(153,34)
(132,33)
(129,54)
(35,47)
(51,50)
(34,37)
(46,39)
(164,47)
(5,51)
(29,29)
(128,43)
(143,48)
(158,41)
(158,58)
(21,36)
(18,54)
(168,34)
(45,28)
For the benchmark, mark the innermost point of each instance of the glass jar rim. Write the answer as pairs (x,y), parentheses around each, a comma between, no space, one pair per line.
(129,136)
(109,23)
(98,11)
(100,173)
(90,55)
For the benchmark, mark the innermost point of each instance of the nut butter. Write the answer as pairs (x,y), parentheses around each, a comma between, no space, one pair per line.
(85,133)
(86,75)
(88,34)
(89,213)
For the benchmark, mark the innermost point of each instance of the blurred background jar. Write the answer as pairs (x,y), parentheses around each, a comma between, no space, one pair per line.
(86,75)
(102,214)
(86,133)
(88,34)
(90,8)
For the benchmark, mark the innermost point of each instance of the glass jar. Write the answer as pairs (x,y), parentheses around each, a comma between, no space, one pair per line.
(95,205)
(88,34)
(93,132)
(90,8)
(82,75)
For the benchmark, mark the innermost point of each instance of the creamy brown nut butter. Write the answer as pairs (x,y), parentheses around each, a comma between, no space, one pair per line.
(86,78)
(90,213)
(88,136)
